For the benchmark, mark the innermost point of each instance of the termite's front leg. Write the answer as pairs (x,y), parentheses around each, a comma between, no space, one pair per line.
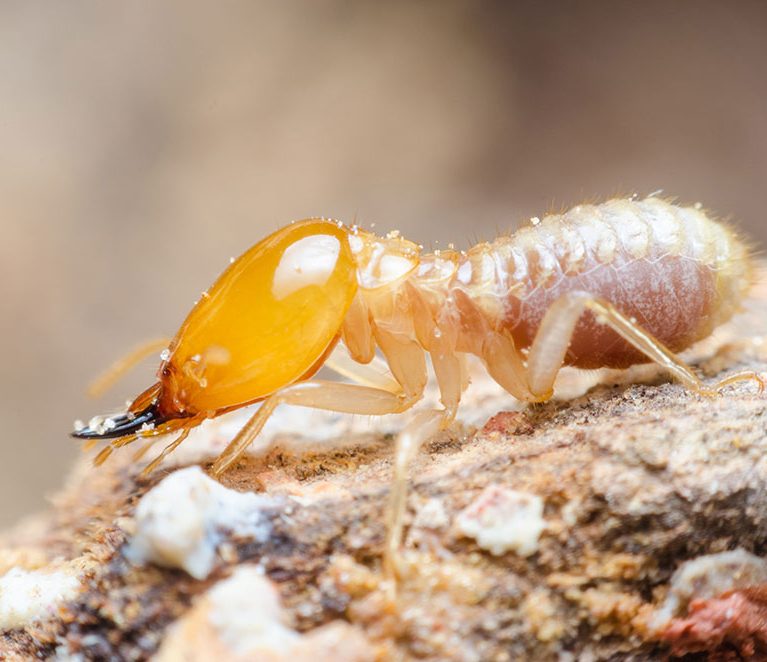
(550,346)
(317,394)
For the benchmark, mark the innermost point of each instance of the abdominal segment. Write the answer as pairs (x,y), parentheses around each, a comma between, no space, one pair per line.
(672,298)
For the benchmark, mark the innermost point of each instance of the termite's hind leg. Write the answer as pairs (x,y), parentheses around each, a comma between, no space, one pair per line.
(317,394)
(744,376)
(548,351)
(123,365)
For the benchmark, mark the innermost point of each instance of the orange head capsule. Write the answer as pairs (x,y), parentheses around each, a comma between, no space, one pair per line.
(267,322)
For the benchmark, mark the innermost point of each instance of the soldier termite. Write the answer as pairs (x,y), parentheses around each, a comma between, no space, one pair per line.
(612,285)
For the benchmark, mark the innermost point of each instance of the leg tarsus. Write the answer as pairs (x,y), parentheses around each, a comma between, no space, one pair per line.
(745,376)
(423,426)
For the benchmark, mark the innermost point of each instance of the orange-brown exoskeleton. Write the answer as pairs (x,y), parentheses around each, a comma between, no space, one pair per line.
(610,285)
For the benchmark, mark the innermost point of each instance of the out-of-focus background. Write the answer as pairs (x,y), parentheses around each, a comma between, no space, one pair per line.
(144,143)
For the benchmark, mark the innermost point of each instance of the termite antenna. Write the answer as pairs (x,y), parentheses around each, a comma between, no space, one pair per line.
(121,425)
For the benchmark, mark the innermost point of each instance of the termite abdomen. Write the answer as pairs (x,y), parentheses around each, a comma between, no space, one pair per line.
(672,270)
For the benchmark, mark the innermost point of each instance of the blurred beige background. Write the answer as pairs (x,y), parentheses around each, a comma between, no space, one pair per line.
(143,143)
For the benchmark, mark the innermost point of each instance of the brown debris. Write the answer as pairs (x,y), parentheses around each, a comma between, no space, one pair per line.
(508,423)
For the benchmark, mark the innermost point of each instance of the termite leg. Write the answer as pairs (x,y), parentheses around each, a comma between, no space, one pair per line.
(143,450)
(375,374)
(744,376)
(123,365)
(318,394)
(90,444)
(165,452)
(548,351)
(504,364)
(357,331)
(407,362)
(423,426)
(102,456)
(449,368)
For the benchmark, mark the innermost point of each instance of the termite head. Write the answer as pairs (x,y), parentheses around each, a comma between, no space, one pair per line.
(268,321)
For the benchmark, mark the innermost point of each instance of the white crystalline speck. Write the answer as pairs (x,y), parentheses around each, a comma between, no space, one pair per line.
(97,424)
(181,522)
(165,355)
(79,425)
(242,619)
(246,612)
(432,515)
(28,596)
(500,520)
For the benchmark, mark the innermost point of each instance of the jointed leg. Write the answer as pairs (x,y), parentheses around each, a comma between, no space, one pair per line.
(423,426)
(450,371)
(165,452)
(550,346)
(375,374)
(504,364)
(406,361)
(318,394)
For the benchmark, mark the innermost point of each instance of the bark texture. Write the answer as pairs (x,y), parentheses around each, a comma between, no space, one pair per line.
(634,481)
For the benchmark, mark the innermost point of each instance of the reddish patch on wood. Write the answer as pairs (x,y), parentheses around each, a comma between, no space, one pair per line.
(735,620)
(508,423)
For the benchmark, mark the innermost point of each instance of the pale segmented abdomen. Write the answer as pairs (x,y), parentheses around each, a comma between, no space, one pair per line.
(678,272)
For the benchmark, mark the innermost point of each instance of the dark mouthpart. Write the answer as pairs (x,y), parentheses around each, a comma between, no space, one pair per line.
(121,425)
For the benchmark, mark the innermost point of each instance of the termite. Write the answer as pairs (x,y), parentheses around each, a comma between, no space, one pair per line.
(611,285)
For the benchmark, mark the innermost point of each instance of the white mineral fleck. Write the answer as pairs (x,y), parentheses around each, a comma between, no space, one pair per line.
(27,596)
(242,619)
(246,612)
(97,424)
(431,515)
(181,521)
(500,520)
(707,577)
